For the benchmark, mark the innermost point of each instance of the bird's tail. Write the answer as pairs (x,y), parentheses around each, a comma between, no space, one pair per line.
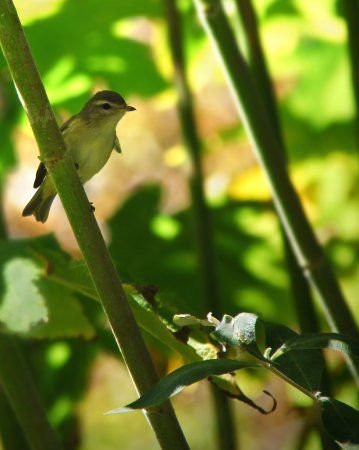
(39,205)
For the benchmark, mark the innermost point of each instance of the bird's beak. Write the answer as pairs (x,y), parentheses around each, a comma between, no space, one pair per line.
(130,108)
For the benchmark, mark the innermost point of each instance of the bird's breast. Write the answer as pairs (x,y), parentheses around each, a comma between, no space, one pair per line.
(91,152)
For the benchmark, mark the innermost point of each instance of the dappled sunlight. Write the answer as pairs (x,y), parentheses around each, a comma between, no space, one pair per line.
(144,208)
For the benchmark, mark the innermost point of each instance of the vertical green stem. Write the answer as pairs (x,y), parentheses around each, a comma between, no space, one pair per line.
(255,118)
(23,397)
(307,317)
(3,231)
(203,225)
(350,10)
(227,428)
(301,293)
(257,63)
(11,435)
(101,268)
(20,403)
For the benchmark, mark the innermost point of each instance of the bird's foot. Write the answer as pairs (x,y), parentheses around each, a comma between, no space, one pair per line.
(92,208)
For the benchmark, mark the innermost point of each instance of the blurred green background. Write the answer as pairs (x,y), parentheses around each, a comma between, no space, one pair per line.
(143,202)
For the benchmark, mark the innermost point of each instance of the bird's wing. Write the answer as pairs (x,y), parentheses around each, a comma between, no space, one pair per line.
(66,125)
(117,146)
(41,170)
(40,175)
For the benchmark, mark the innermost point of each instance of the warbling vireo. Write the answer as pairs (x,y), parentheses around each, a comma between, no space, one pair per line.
(90,136)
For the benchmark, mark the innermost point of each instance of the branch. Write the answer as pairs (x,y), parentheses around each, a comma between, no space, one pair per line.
(301,293)
(269,153)
(24,398)
(20,403)
(203,223)
(350,9)
(226,435)
(101,268)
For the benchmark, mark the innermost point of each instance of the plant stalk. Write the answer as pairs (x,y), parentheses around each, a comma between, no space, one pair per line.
(101,268)
(11,434)
(20,403)
(269,151)
(23,397)
(350,9)
(301,294)
(203,224)
(202,218)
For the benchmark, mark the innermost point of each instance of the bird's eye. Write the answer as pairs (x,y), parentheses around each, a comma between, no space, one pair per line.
(106,106)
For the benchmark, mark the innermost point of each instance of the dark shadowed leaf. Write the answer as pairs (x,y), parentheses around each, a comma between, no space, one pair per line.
(341,422)
(304,367)
(175,270)
(176,381)
(334,341)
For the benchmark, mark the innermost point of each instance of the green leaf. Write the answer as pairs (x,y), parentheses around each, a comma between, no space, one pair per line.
(66,272)
(10,111)
(304,367)
(149,321)
(70,72)
(238,330)
(334,341)
(249,328)
(244,326)
(23,305)
(73,277)
(176,258)
(225,333)
(74,274)
(176,381)
(341,422)
(66,318)
(244,331)
(60,277)
(33,305)
(187,320)
(314,60)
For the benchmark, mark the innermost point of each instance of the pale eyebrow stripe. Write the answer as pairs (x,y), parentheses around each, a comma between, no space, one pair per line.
(100,102)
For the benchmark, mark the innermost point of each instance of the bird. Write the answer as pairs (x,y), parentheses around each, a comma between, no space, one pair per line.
(90,136)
